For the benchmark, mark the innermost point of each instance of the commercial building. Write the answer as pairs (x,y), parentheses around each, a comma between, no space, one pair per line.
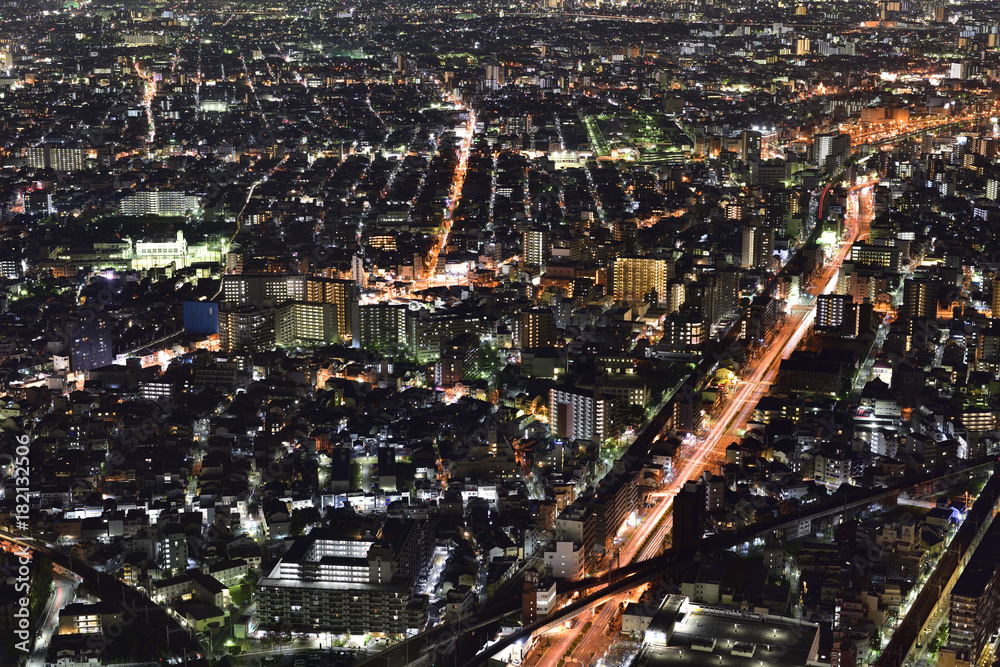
(684,633)
(884,257)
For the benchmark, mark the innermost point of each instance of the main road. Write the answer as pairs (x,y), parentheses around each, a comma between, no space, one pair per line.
(705,454)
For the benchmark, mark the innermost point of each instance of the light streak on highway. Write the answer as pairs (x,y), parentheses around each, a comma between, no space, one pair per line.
(702,456)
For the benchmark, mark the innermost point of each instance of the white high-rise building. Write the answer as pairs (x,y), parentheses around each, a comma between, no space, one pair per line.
(993,189)
(832,150)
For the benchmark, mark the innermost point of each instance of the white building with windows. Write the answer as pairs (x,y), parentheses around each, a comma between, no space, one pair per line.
(349,581)
(566,562)
(159,202)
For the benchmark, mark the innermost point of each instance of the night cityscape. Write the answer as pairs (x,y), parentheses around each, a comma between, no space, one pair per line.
(542,333)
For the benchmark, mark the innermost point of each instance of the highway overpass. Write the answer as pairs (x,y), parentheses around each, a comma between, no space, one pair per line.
(643,572)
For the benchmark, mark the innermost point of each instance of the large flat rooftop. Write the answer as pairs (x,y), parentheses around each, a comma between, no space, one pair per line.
(689,634)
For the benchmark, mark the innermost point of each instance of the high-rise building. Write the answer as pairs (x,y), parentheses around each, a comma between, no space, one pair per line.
(89,342)
(840,314)
(383,326)
(974,613)
(494,75)
(684,332)
(832,150)
(11,268)
(305,324)
(985,146)
(617,496)
(268,290)
(714,295)
(675,295)
(636,278)
(995,300)
(727,290)
(459,360)
(862,283)
(246,328)
(535,248)
(427,331)
(993,189)
(832,310)
(988,350)
(757,247)
(538,328)
(762,320)
(688,414)
(62,158)
(920,297)
(582,414)
(750,146)
(688,514)
(173,550)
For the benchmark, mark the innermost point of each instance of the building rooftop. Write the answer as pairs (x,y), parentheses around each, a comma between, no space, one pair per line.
(688,634)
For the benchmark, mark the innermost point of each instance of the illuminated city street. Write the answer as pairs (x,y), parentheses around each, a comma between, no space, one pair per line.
(417,335)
